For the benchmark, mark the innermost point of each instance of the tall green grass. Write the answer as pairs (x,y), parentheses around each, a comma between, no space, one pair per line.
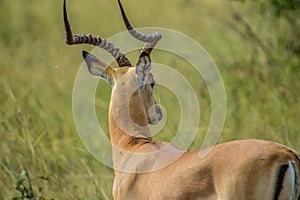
(37,73)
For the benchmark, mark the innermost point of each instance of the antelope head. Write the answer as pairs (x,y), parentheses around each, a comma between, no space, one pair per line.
(133,84)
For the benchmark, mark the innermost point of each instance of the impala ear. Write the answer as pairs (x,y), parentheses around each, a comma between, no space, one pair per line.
(143,67)
(98,68)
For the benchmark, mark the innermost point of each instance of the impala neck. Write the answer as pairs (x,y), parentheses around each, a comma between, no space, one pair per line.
(128,122)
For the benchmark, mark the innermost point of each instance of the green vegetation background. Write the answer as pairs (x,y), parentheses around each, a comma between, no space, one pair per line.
(256,49)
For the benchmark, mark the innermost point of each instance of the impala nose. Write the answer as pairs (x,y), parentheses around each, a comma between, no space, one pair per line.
(155,114)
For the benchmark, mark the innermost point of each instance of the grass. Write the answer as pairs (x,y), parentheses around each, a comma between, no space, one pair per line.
(38,70)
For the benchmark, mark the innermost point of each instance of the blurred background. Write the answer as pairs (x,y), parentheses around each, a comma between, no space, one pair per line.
(255,44)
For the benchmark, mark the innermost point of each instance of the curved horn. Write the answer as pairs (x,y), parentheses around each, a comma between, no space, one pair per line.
(151,40)
(93,40)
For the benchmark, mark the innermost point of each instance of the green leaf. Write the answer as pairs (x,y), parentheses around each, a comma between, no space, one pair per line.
(23,173)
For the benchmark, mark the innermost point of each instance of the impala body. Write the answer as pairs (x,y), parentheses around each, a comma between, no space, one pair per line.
(238,170)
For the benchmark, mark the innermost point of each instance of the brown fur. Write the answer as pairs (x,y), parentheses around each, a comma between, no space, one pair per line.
(245,169)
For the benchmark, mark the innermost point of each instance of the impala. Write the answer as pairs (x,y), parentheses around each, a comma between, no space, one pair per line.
(245,169)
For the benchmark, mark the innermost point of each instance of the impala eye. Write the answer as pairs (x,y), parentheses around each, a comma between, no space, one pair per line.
(152,85)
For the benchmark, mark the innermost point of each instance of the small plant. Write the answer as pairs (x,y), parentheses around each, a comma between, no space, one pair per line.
(24,186)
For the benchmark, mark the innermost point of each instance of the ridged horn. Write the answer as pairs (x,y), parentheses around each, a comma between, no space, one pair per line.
(151,40)
(93,40)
